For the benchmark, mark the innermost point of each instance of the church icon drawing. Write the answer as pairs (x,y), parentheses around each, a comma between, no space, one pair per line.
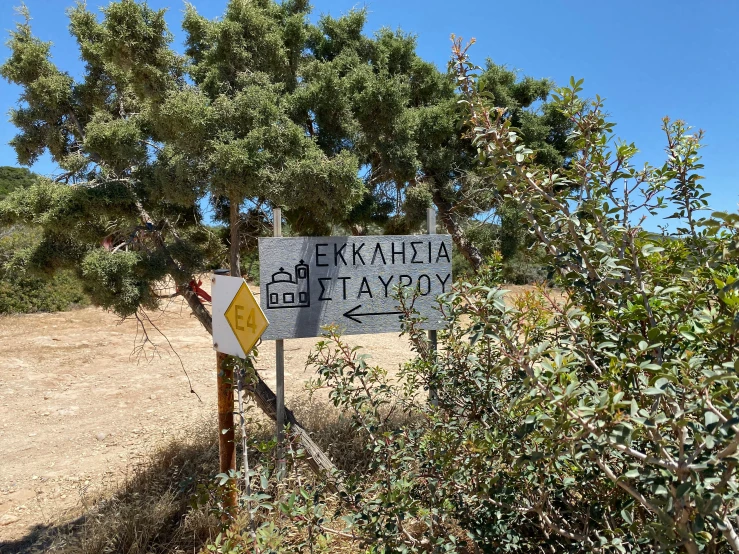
(286,290)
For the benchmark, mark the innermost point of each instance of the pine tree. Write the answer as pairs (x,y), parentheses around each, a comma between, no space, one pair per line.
(146,134)
(404,122)
(262,110)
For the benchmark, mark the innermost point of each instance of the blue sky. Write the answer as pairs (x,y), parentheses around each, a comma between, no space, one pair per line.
(648,58)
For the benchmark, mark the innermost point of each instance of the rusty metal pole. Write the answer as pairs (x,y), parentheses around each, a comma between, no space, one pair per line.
(226,442)
(279,371)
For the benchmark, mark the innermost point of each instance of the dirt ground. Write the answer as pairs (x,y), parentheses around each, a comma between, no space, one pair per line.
(79,405)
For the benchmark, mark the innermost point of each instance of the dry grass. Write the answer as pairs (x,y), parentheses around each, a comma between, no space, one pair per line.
(152,511)
(333,431)
(148,513)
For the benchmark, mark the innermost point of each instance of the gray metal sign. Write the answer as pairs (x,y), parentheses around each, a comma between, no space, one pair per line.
(307,283)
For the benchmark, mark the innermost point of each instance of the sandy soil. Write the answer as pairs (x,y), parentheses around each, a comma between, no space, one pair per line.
(79,406)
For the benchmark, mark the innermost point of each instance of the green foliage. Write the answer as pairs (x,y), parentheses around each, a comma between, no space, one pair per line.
(263,109)
(22,291)
(408,133)
(144,135)
(12,178)
(85,213)
(545,129)
(598,418)
(121,281)
(26,294)
(118,141)
(249,131)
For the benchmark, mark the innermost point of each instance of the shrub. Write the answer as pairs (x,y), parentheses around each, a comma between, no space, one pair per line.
(22,292)
(602,419)
(25,294)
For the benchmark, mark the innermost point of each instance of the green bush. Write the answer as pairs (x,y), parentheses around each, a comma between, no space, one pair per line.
(600,418)
(12,178)
(25,294)
(604,418)
(21,291)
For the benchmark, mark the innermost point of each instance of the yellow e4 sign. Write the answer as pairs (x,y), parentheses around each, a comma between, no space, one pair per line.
(244,319)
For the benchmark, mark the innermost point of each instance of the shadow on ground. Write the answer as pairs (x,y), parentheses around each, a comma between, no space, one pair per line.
(153,511)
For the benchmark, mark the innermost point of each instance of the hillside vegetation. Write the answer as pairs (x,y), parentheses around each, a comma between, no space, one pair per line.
(23,291)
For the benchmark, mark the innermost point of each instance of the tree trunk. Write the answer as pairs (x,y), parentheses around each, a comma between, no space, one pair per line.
(235,249)
(461,241)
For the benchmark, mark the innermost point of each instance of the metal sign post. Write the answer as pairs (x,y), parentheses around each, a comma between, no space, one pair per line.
(279,369)
(307,283)
(431,229)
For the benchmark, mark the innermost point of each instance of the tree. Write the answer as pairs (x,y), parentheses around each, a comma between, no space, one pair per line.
(146,133)
(400,116)
(248,138)
(262,110)
(406,126)
(459,188)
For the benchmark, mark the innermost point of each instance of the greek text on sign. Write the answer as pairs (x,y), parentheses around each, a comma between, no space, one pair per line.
(307,283)
(238,321)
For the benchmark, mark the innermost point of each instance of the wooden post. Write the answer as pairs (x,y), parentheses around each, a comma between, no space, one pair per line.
(279,371)
(226,444)
(431,229)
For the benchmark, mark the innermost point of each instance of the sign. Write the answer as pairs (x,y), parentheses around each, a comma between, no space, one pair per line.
(307,283)
(238,321)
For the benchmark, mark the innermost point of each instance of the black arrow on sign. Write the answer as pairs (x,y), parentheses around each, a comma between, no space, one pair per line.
(354,316)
